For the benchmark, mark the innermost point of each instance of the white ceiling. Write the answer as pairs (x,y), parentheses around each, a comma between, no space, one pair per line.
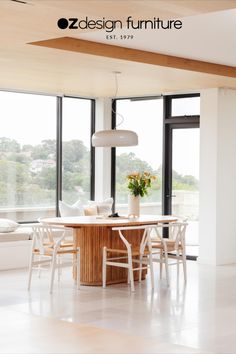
(205,36)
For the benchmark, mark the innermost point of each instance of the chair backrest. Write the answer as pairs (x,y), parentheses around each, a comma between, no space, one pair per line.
(45,236)
(176,232)
(145,241)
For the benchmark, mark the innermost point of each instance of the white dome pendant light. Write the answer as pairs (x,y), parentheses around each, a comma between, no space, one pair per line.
(115,137)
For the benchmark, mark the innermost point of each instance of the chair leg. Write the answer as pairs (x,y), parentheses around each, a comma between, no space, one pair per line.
(53,267)
(161,261)
(59,270)
(78,268)
(184,265)
(151,270)
(39,267)
(128,277)
(167,267)
(131,273)
(104,267)
(140,268)
(177,256)
(30,270)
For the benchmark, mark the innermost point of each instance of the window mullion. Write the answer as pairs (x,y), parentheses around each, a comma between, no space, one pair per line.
(59,154)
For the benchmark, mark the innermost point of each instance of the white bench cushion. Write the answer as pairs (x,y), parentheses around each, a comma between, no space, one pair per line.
(21,234)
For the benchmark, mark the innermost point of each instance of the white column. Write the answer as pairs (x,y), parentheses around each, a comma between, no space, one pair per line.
(217,177)
(103,155)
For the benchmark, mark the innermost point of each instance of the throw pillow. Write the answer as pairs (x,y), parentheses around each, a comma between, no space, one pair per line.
(7,225)
(90,210)
(104,207)
(70,210)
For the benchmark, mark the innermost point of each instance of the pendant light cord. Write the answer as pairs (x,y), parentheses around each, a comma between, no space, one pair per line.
(116,93)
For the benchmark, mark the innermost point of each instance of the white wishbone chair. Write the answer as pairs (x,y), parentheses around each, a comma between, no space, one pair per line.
(50,248)
(141,255)
(172,247)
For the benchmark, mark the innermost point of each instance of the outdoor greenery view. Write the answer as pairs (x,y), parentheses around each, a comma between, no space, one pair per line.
(127,163)
(28,174)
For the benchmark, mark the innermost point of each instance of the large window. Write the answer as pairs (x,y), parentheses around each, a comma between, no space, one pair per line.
(145,117)
(76,149)
(27,156)
(178,148)
(30,146)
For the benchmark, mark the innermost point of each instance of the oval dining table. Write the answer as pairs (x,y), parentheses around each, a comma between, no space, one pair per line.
(92,233)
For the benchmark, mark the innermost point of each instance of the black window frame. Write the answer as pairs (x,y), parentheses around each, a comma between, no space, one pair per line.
(59,130)
(92,148)
(113,149)
(169,123)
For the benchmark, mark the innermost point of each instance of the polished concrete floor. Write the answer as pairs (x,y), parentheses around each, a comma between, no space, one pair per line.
(197,318)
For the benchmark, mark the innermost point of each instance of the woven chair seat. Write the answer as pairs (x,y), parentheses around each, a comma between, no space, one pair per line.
(135,251)
(170,244)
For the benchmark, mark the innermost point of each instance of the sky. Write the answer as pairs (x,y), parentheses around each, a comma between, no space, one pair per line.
(146,119)
(35,116)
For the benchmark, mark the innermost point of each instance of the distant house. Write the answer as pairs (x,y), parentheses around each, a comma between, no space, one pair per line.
(37,165)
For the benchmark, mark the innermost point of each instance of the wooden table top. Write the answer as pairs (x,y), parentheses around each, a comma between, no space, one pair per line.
(88,221)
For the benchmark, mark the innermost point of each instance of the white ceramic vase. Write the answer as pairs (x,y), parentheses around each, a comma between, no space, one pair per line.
(133,205)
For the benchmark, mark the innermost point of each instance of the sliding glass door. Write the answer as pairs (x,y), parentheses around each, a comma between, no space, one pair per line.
(185,182)
(181,164)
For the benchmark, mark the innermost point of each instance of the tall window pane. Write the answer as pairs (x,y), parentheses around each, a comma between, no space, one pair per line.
(185,106)
(76,149)
(145,117)
(27,156)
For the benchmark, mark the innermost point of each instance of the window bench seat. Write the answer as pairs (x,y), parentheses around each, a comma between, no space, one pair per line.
(15,248)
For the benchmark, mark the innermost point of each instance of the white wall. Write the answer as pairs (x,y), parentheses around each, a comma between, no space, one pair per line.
(103,155)
(15,254)
(208,176)
(217,177)
(226,183)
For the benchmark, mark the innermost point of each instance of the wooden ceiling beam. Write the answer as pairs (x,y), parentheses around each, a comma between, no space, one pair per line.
(136,55)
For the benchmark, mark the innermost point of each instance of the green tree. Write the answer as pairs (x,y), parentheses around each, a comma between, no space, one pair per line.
(13,173)
(184,182)
(9,145)
(46,179)
(45,150)
(69,181)
(14,178)
(19,157)
(128,163)
(27,148)
(74,151)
